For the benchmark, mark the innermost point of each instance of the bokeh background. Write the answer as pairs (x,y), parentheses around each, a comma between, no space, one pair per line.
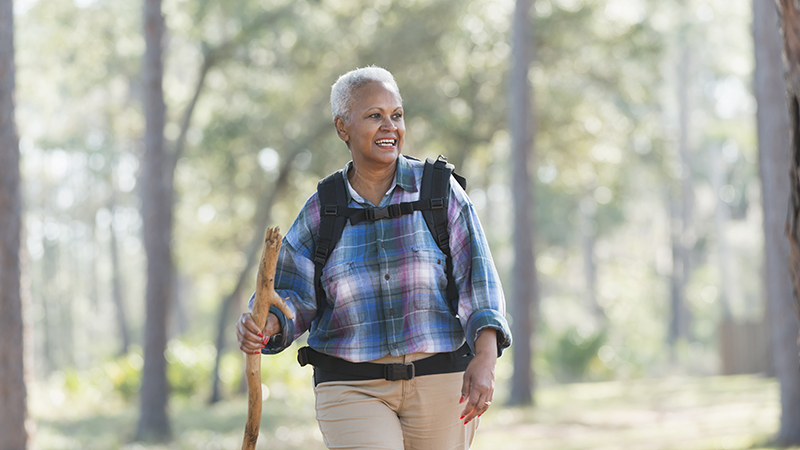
(650,328)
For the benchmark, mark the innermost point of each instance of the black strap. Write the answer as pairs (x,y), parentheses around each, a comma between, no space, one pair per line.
(358,215)
(436,184)
(332,199)
(331,368)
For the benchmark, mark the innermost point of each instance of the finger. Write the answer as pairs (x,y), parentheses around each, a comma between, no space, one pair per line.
(474,405)
(472,398)
(250,341)
(249,323)
(479,401)
(465,385)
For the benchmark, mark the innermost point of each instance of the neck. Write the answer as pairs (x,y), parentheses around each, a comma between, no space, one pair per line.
(371,184)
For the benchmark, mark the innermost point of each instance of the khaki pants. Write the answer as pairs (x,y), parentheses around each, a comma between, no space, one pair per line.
(418,414)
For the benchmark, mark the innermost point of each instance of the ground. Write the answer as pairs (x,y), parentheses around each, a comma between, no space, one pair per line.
(740,412)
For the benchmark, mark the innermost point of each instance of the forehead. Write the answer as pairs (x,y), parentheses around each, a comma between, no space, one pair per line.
(376,94)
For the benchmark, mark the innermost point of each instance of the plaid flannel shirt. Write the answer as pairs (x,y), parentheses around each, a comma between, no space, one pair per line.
(385,281)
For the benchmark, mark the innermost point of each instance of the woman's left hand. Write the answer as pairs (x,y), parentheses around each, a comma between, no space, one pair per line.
(478,386)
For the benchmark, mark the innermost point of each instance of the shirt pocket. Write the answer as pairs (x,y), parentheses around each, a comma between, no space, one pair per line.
(426,277)
(346,286)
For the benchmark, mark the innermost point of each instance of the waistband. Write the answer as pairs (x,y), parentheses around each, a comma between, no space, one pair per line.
(331,368)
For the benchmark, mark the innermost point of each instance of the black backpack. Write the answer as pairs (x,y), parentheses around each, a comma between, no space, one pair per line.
(433,200)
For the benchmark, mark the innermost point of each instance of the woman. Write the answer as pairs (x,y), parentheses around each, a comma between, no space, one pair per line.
(385,299)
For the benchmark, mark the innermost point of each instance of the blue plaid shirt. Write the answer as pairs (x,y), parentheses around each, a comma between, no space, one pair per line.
(385,281)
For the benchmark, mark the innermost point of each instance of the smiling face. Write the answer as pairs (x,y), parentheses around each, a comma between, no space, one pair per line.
(374,132)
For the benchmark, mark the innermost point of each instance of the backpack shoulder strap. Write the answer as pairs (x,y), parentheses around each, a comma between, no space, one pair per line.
(436,188)
(332,205)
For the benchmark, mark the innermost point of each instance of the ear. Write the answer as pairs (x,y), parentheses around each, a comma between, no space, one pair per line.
(340,129)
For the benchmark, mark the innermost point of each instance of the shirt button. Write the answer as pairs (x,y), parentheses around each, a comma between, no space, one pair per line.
(386,277)
(391,312)
(394,345)
(381,244)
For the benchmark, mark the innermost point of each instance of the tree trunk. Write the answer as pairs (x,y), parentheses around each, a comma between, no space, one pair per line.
(156,196)
(775,148)
(117,291)
(588,227)
(13,394)
(525,296)
(722,216)
(676,277)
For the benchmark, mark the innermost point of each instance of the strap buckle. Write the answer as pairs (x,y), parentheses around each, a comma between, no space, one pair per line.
(321,254)
(331,210)
(394,372)
(387,212)
(437,203)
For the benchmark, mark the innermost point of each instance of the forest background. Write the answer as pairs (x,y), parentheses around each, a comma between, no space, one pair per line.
(647,203)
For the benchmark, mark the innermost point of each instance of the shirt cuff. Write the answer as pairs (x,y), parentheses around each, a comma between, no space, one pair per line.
(281,341)
(489,319)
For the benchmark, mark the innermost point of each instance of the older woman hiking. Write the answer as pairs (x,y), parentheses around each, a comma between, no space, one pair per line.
(405,323)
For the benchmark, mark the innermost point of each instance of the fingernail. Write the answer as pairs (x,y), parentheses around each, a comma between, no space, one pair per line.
(264,342)
(462,417)
(462,400)
(466,422)
(256,352)
(260,335)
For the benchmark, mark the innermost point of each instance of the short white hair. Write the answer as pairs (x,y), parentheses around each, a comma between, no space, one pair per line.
(342,91)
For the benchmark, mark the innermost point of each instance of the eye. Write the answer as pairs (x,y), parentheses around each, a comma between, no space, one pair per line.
(375,116)
(398,115)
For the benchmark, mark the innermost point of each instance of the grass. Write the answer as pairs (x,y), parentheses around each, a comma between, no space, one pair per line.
(739,412)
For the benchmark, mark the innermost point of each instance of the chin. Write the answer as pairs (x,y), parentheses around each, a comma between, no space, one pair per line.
(386,155)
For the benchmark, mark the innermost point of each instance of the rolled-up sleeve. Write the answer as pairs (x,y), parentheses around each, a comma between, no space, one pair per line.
(481,299)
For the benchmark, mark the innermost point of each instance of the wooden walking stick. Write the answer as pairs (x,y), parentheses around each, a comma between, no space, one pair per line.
(265,297)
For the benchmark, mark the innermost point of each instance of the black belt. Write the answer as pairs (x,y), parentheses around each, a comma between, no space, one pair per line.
(331,368)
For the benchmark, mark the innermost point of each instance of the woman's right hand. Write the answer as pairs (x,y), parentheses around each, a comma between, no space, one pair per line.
(251,339)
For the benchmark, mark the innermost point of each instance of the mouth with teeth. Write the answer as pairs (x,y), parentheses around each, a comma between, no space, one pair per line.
(386,143)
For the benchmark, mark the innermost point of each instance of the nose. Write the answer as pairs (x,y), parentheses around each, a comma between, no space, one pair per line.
(388,124)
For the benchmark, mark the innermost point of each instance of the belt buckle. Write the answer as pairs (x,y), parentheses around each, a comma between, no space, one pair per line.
(394,372)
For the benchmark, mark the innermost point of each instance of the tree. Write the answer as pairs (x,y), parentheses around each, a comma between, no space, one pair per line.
(681,204)
(157,194)
(774,144)
(525,295)
(13,394)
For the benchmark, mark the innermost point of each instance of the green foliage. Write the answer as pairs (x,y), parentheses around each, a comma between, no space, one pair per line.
(189,367)
(125,374)
(572,354)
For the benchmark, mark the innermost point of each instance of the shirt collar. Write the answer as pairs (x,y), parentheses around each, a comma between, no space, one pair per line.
(404,177)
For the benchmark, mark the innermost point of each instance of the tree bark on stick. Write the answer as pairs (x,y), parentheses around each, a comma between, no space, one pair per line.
(13,393)
(265,297)
(777,144)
